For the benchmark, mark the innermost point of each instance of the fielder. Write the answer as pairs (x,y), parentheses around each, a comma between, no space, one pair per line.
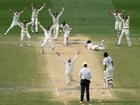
(55,18)
(66,29)
(25,33)
(125,30)
(34,18)
(48,38)
(97,47)
(15,22)
(118,22)
(68,67)
(108,69)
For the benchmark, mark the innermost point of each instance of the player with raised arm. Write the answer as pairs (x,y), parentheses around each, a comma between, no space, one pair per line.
(66,29)
(118,22)
(48,38)
(24,33)
(125,30)
(34,18)
(55,18)
(15,22)
(69,64)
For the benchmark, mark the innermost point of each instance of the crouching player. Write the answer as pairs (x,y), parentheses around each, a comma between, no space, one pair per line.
(95,46)
(66,29)
(108,70)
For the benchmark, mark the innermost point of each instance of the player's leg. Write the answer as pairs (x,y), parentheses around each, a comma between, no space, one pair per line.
(65,40)
(105,80)
(43,45)
(87,90)
(120,38)
(111,78)
(29,39)
(128,38)
(51,44)
(11,26)
(36,26)
(33,24)
(120,28)
(67,76)
(22,39)
(82,91)
(56,31)
(117,28)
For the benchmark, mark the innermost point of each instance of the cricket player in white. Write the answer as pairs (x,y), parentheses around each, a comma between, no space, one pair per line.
(68,67)
(34,18)
(55,18)
(108,70)
(95,46)
(118,22)
(24,32)
(15,22)
(66,29)
(48,38)
(125,30)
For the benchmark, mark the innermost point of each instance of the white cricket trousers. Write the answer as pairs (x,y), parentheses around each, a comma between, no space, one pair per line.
(66,35)
(12,26)
(47,41)
(25,34)
(68,76)
(34,25)
(118,25)
(56,30)
(126,33)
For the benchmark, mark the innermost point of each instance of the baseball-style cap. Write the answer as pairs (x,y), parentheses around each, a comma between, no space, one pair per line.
(85,63)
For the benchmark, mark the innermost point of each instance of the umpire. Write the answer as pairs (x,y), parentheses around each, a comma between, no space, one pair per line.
(85,76)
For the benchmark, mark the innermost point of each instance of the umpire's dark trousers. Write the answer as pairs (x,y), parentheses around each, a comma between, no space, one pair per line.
(85,86)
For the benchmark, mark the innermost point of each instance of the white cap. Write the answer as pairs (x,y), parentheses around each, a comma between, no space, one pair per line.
(84,63)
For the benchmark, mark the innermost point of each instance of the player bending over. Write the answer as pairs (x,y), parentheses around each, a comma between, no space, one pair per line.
(108,70)
(118,22)
(66,29)
(34,18)
(55,18)
(48,38)
(125,30)
(24,32)
(69,64)
(15,22)
(94,46)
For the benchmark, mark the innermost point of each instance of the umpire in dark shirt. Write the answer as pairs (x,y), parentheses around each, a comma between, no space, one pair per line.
(85,76)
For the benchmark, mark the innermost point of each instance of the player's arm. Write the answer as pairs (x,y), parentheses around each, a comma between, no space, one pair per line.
(22,11)
(110,13)
(75,57)
(41,26)
(129,13)
(32,6)
(61,57)
(10,10)
(20,24)
(42,7)
(51,29)
(61,12)
(105,66)
(29,23)
(69,27)
(50,12)
(122,12)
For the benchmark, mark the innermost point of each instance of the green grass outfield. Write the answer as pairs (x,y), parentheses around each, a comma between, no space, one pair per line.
(23,69)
